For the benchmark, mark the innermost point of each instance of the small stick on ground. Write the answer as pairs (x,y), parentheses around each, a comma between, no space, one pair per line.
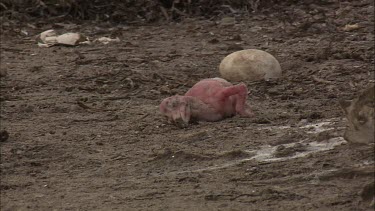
(84,106)
(319,80)
(165,13)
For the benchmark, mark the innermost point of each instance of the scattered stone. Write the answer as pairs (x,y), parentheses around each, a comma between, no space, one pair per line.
(351,27)
(283,151)
(228,21)
(107,40)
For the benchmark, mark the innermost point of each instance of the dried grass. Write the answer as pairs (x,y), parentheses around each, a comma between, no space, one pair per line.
(128,10)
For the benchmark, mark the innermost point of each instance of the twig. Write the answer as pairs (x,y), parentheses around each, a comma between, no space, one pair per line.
(131,82)
(178,11)
(96,120)
(319,80)
(3,5)
(116,98)
(164,11)
(230,8)
(82,105)
(144,116)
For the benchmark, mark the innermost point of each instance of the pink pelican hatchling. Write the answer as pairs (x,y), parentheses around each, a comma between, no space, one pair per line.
(210,100)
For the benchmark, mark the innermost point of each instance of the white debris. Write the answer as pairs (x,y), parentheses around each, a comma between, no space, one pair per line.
(106,40)
(50,38)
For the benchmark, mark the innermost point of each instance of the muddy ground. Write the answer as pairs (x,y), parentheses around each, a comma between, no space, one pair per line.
(85,132)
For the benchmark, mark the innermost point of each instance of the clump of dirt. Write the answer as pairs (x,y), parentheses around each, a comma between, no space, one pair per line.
(290,137)
(235,154)
(4,135)
(178,156)
(326,135)
(368,195)
(283,151)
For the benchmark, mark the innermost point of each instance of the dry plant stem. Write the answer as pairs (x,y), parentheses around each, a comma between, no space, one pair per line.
(165,13)
(319,80)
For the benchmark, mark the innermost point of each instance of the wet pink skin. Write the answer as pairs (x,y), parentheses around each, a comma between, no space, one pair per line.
(208,100)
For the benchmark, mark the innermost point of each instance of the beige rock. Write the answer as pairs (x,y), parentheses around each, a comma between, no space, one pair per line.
(250,64)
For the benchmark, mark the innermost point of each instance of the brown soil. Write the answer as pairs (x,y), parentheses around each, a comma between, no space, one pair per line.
(85,132)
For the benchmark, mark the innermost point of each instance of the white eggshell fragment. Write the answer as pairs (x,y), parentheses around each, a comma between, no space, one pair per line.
(251,65)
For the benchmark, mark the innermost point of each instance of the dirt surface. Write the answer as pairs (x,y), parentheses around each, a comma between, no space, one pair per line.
(85,132)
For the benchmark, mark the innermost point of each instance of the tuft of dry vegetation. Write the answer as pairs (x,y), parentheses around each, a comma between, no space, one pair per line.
(130,10)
